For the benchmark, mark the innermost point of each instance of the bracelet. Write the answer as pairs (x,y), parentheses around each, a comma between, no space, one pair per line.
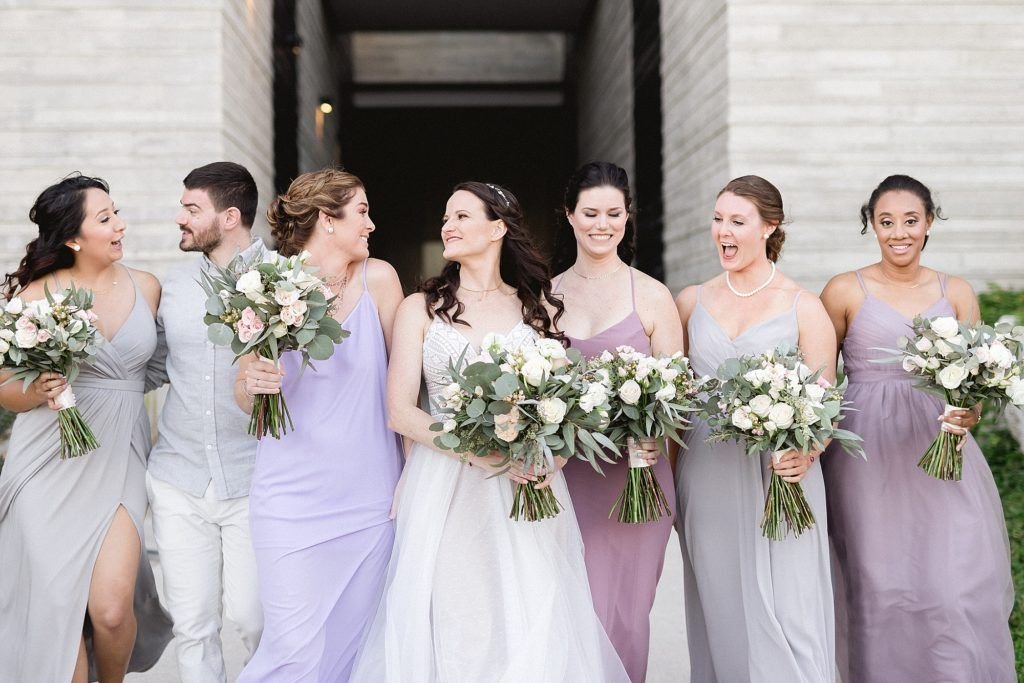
(245,389)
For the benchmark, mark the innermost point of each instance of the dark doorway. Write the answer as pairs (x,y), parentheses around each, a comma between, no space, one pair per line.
(410,158)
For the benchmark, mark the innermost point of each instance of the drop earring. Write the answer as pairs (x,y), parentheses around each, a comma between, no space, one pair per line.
(330,228)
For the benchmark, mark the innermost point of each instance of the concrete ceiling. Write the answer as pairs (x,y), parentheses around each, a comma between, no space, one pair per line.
(458,15)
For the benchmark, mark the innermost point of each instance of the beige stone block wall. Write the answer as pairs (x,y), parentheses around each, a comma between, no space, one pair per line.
(605,87)
(136,92)
(826,98)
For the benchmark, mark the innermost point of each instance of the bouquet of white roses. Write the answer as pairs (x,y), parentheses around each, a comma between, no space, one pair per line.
(528,404)
(54,334)
(964,365)
(651,398)
(270,305)
(773,402)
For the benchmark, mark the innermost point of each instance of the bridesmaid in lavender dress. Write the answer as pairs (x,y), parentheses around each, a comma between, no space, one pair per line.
(756,610)
(923,585)
(609,304)
(321,496)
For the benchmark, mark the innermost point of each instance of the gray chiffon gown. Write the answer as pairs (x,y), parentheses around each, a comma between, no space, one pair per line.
(54,515)
(756,610)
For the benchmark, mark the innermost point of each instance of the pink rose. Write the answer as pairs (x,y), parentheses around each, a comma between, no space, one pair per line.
(43,336)
(249,326)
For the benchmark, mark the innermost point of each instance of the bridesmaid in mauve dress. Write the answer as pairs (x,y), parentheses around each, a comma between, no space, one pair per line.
(756,610)
(601,294)
(77,597)
(321,495)
(923,583)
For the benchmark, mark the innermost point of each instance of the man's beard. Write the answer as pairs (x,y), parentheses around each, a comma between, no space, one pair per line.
(205,241)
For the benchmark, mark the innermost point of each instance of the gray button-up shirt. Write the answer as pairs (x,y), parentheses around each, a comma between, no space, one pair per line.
(203,435)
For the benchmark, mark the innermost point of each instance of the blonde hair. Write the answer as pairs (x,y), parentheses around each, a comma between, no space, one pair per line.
(292,216)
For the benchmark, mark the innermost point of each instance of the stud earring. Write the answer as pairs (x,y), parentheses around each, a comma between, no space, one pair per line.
(76,247)
(330,229)
(764,236)
(927,232)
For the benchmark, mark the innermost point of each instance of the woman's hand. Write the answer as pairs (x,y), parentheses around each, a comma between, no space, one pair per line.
(514,471)
(960,421)
(647,449)
(262,377)
(47,387)
(548,478)
(794,465)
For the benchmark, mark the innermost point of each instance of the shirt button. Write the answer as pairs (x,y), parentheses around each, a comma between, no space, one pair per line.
(209,447)
(207,412)
(207,378)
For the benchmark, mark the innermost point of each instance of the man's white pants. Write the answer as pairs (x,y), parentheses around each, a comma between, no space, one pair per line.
(209,569)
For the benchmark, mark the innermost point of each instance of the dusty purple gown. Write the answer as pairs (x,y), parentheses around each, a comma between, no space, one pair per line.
(923,567)
(319,510)
(624,561)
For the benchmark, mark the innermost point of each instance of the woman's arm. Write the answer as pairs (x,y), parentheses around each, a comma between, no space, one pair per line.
(386,290)
(686,301)
(817,338)
(660,317)
(44,390)
(836,298)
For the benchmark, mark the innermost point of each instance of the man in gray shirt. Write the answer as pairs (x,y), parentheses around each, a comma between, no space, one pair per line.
(201,465)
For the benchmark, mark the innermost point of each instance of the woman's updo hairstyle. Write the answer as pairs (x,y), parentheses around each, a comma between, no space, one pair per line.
(59,212)
(768,200)
(292,216)
(588,176)
(900,183)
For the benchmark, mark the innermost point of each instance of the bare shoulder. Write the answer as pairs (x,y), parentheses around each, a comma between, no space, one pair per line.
(379,272)
(959,290)
(414,305)
(841,290)
(149,285)
(648,289)
(686,301)
(810,309)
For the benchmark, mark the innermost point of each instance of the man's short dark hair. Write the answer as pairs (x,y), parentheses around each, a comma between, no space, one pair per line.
(228,184)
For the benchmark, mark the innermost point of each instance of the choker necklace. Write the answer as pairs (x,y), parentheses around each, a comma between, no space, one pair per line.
(598,277)
(482,292)
(755,290)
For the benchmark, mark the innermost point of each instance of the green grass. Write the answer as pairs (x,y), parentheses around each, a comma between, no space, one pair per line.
(1004,457)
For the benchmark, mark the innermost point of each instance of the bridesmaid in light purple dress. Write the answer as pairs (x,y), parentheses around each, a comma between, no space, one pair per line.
(923,585)
(609,304)
(321,495)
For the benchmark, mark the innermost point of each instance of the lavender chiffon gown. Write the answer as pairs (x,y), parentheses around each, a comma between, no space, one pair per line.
(923,585)
(756,610)
(624,561)
(319,509)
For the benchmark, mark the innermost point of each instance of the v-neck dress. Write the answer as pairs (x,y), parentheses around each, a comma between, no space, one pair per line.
(923,585)
(756,610)
(54,514)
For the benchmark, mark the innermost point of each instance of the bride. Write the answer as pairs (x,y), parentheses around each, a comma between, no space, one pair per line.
(472,595)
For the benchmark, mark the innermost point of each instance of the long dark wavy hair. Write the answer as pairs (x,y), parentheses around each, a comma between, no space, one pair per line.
(590,175)
(58,211)
(521,266)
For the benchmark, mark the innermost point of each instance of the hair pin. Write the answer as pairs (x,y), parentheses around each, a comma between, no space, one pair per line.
(498,190)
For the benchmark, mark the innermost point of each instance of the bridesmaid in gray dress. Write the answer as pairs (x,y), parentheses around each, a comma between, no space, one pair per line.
(756,610)
(923,584)
(77,593)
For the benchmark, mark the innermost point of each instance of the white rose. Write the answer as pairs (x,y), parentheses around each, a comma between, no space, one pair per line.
(782,415)
(669,375)
(551,410)
(932,364)
(630,392)
(250,284)
(951,376)
(815,392)
(741,419)
(957,340)
(449,426)
(1016,391)
(285,294)
(26,337)
(451,390)
(756,377)
(983,353)
(279,330)
(14,306)
(606,356)
(492,342)
(923,344)
(1000,355)
(760,405)
(769,426)
(666,393)
(549,348)
(6,335)
(4,346)
(290,316)
(946,327)
(807,414)
(534,370)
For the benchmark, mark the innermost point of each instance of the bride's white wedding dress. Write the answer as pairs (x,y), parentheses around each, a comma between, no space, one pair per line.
(472,595)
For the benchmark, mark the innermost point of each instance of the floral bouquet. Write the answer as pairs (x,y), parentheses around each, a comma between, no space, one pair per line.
(963,364)
(529,404)
(652,397)
(54,334)
(270,305)
(773,402)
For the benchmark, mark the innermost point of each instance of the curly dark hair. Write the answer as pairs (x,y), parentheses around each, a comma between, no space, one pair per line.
(590,175)
(58,211)
(521,266)
(900,183)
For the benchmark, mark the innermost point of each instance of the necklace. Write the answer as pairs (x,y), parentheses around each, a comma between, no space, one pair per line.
(341,283)
(598,277)
(113,283)
(903,284)
(755,290)
(482,292)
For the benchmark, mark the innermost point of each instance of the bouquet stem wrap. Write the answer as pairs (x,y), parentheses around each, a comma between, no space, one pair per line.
(270,414)
(642,499)
(785,507)
(76,439)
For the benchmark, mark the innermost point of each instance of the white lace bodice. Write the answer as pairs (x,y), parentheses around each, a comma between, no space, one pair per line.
(444,344)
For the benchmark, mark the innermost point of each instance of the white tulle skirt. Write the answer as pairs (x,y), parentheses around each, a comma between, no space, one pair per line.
(474,596)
